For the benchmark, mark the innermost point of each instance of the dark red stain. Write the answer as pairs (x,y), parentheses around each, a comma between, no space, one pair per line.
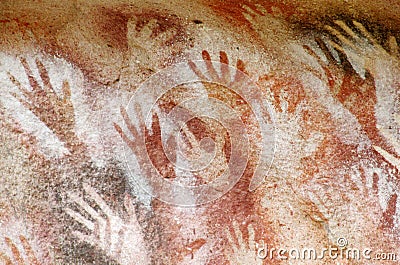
(112,27)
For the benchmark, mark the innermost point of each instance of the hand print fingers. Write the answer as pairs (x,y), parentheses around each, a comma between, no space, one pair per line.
(130,209)
(194,144)
(84,205)
(89,239)
(131,128)
(124,136)
(101,228)
(223,58)
(249,12)
(309,68)
(27,95)
(344,40)
(239,236)
(24,91)
(389,157)
(196,70)
(322,213)
(100,202)
(16,253)
(106,237)
(22,100)
(80,219)
(119,246)
(32,80)
(348,30)
(336,46)
(44,75)
(366,34)
(129,124)
(102,233)
(252,242)
(393,46)
(253,11)
(29,251)
(240,74)
(324,48)
(232,243)
(240,65)
(209,65)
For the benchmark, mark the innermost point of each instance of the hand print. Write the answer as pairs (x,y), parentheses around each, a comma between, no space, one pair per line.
(233,85)
(154,37)
(56,112)
(243,252)
(377,91)
(346,84)
(120,239)
(18,257)
(141,144)
(361,48)
(225,77)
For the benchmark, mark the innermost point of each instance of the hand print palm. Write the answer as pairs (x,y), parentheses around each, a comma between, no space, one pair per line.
(120,239)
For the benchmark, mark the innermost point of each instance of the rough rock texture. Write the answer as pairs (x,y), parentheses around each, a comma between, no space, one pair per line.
(300,99)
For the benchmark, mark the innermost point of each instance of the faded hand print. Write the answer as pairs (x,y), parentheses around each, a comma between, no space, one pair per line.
(243,252)
(54,110)
(29,256)
(120,238)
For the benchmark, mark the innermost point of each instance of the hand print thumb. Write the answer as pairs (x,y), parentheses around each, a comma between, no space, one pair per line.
(196,128)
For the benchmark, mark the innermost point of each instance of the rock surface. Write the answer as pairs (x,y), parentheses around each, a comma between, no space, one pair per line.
(199,132)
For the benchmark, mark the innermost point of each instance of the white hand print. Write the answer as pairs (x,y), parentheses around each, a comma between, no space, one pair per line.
(120,240)
(243,252)
(361,48)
